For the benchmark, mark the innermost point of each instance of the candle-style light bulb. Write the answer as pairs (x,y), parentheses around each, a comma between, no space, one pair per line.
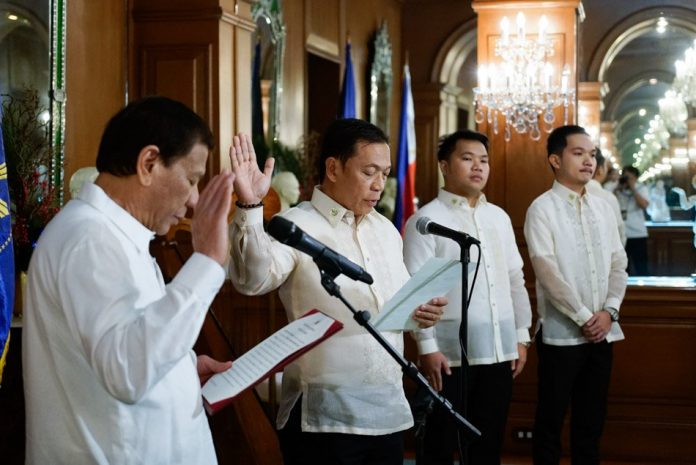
(548,72)
(520,25)
(505,29)
(482,77)
(543,25)
(565,76)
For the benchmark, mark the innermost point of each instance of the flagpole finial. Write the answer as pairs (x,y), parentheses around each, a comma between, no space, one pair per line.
(348,38)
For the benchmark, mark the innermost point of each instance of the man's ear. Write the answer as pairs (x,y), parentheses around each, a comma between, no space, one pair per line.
(147,161)
(332,165)
(555,161)
(444,167)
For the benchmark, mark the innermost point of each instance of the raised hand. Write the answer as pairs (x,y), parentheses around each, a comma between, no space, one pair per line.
(250,184)
(209,228)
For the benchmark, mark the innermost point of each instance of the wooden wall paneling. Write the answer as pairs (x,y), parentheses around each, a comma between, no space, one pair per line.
(652,397)
(362,19)
(201,56)
(519,170)
(671,251)
(426,102)
(293,120)
(96,70)
(182,72)
(323,28)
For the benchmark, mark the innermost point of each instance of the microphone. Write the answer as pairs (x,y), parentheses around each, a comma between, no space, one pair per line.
(288,233)
(425,225)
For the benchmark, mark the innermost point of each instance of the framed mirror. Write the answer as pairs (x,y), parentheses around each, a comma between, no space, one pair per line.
(656,134)
(381,79)
(32,56)
(268,52)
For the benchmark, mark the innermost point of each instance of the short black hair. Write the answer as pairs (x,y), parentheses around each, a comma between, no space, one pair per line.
(558,139)
(631,169)
(170,125)
(340,139)
(448,143)
(599,156)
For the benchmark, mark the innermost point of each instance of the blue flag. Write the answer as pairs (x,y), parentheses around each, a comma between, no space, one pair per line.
(7,284)
(347,104)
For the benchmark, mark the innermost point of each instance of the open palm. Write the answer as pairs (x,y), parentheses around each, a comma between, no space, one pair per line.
(250,183)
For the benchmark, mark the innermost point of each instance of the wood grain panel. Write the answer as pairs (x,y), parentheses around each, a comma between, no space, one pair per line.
(323,28)
(181,72)
(96,69)
(652,397)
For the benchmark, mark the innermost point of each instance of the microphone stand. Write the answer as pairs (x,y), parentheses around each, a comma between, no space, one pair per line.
(362,317)
(464,341)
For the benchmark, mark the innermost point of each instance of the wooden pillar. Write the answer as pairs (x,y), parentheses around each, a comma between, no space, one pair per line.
(606,142)
(519,168)
(589,113)
(427,100)
(198,52)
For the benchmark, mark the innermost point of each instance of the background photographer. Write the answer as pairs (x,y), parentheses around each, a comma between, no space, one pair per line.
(633,200)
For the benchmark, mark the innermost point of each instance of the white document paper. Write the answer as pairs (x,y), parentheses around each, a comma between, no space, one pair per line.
(257,363)
(436,278)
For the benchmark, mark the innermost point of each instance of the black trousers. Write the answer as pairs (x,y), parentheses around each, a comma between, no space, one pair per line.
(489,394)
(637,252)
(575,376)
(302,448)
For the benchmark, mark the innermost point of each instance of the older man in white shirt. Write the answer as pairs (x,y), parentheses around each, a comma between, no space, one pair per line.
(580,266)
(343,402)
(109,372)
(499,312)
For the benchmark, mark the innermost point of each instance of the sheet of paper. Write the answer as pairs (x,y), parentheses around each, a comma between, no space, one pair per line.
(436,278)
(259,361)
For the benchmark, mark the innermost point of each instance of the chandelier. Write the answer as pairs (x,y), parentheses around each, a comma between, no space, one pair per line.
(521,87)
(685,78)
(673,112)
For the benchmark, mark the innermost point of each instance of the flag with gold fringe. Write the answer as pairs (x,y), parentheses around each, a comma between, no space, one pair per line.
(7,284)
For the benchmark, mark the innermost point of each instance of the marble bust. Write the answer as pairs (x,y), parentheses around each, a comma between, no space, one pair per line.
(287,186)
(79,177)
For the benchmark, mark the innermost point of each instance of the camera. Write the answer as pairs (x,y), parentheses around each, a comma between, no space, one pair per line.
(623,180)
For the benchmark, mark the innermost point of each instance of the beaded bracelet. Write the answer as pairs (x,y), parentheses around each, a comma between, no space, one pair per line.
(248,206)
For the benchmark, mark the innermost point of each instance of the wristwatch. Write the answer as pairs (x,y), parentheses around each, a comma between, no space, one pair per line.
(613,313)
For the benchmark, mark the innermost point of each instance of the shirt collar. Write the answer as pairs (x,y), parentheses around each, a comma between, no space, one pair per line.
(593,183)
(131,227)
(457,201)
(568,195)
(333,211)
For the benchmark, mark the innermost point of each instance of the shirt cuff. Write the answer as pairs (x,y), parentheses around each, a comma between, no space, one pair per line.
(583,316)
(613,302)
(523,336)
(427,346)
(201,274)
(248,216)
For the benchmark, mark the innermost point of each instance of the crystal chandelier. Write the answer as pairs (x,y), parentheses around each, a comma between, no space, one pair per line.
(685,78)
(521,88)
(673,112)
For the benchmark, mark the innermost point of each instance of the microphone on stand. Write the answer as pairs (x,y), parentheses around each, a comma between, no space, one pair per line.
(327,259)
(425,225)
